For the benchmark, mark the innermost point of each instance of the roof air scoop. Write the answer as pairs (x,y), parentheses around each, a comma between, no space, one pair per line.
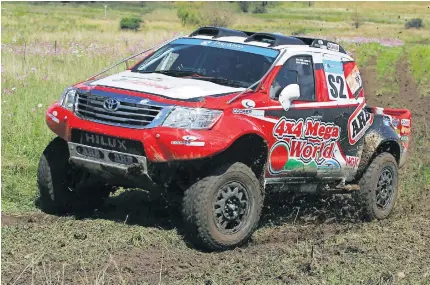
(217,32)
(274,39)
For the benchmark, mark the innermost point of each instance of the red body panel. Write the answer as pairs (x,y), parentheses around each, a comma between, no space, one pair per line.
(160,142)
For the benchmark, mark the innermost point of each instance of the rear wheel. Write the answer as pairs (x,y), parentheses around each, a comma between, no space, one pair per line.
(64,189)
(222,210)
(379,187)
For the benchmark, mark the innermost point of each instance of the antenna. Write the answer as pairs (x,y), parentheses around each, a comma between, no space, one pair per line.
(134,55)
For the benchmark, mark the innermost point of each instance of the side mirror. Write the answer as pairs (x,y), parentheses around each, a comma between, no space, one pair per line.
(288,94)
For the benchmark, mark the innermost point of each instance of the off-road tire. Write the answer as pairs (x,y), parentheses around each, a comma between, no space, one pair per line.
(53,179)
(366,196)
(198,207)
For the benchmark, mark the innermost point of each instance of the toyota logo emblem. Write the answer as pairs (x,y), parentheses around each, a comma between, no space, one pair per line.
(111,104)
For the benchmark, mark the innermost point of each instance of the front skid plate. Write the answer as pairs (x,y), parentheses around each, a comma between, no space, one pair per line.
(99,158)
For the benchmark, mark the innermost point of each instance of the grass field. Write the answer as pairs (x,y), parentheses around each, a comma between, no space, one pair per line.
(134,240)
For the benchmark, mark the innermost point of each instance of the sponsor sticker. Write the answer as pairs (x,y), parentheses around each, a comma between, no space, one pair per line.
(248,103)
(251,112)
(354,81)
(304,144)
(395,122)
(404,138)
(358,123)
(352,161)
(405,130)
(386,121)
(406,122)
(53,118)
(303,61)
(144,101)
(332,46)
(188,143)
(189,138)
(141,82)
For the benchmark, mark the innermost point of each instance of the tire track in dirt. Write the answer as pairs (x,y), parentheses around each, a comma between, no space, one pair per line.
(408,97)
(14,220)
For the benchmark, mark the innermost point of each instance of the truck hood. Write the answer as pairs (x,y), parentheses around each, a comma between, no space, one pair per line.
(168,86)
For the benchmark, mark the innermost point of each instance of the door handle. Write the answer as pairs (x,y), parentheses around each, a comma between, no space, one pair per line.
(316,115)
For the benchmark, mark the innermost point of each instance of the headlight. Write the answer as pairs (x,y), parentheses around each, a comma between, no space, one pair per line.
(68,98)
(192,118)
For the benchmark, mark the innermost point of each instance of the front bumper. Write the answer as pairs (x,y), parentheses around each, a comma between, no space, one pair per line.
(161,144)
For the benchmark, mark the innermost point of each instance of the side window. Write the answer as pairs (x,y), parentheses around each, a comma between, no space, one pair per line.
(296,70)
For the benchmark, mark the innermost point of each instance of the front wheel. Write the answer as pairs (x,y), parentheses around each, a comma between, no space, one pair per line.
(379,187)
(64,189)
(222,210)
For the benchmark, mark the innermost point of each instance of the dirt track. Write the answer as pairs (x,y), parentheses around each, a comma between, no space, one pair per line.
(292,227)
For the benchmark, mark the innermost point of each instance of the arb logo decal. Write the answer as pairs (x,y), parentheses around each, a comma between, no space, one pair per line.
(358,123)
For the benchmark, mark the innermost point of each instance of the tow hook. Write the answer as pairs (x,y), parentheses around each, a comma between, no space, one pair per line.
(135,169)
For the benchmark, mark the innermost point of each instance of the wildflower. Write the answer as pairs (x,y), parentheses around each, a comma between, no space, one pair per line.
(39,105)
(13,88)
(33,69)
(9,115)
(33,109)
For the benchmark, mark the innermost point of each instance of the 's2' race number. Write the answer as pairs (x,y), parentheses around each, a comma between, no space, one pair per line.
(336,91)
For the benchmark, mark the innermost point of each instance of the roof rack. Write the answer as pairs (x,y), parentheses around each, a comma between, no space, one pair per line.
(323,44)
(218,32)
(274,39)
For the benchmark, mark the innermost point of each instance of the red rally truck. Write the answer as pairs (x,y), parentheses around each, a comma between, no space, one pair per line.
(225,116)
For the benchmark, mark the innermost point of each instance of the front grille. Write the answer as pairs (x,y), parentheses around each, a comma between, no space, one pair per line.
(129,114)
(107,142)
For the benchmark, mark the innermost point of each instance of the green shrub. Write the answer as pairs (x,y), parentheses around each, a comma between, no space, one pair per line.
(357,21)
(244,6)
(204,14)
(414,23)
(213,15)
(130,23)
(260,9)
(188,13)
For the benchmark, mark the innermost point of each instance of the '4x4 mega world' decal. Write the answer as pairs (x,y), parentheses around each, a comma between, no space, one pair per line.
(305,145)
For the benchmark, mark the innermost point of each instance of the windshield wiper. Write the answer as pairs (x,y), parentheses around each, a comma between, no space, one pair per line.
(222,81)
(196,75)
(175,73)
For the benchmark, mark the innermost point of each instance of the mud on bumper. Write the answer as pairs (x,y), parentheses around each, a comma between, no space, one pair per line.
(122,169)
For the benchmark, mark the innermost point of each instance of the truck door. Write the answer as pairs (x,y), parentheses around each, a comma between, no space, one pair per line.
(341,108)
(291,154)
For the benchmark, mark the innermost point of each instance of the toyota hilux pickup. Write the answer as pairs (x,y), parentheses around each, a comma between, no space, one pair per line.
(225,116)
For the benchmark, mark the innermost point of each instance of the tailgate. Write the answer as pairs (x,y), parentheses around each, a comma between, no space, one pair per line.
(400,120)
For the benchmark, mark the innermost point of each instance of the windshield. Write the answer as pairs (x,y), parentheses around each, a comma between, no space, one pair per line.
(224,63)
